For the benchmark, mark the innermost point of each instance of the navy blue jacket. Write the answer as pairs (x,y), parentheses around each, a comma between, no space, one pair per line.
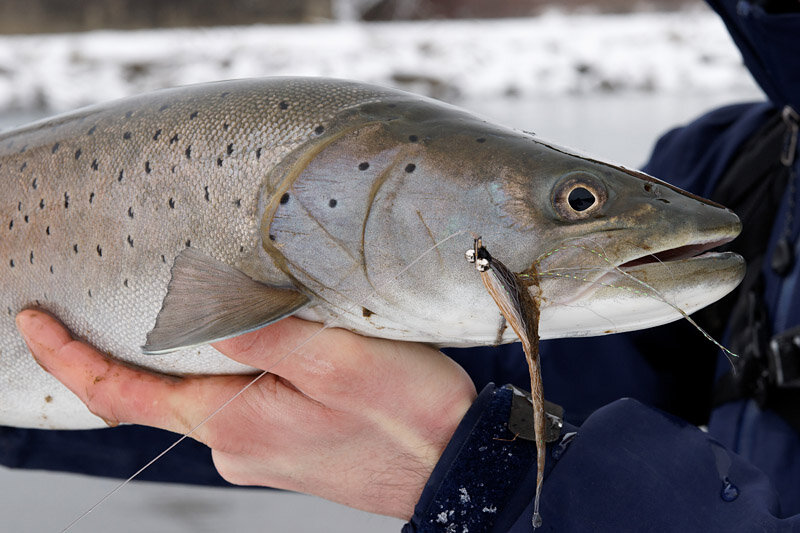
(621,464)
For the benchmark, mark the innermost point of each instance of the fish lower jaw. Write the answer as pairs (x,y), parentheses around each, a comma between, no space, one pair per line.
(642,296)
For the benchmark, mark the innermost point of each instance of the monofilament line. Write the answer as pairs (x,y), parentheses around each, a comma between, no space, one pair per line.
(252,382)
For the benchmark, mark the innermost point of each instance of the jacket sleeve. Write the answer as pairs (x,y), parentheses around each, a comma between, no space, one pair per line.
(663,475)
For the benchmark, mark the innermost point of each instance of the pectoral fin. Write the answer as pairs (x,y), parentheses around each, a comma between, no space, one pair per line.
(208,301)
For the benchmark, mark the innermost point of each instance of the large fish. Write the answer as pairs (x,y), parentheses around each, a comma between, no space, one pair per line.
(162,222)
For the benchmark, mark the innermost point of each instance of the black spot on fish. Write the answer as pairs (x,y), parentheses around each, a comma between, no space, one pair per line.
(24,166)
(91,130)
(11,225)
(147,168)
(223,95)
(366,313)
(99,251)
(31,258)
(126,135)
(125,282)
(332,202)
(480,140)
(413,138)
(130,241)
(411,167)
(27,219)
(193,115)
(90,293)
(66,200)
(285,198)
(238,202)
(55,147)
(164,107)
(95,166)
(230,149)
(363,166)
(11,263)
(163,259)
(173,139)
(34,183)
(91,197)
(19,206)
(319,129)
(188,243)
(225,126)
(283,104)
(129,114)
(219,161)
(258,153)
(47,230)
(77,153)
(171,203)
(75,248)
(51,269)
(189,152)
(208,197)
(130,212)
(173,168)
(156,135)
(41,203)
(121,175)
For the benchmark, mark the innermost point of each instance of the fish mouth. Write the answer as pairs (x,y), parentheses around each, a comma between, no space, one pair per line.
(680,253)
(646,291)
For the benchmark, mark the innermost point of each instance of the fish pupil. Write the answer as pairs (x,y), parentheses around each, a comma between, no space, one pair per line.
(580,199)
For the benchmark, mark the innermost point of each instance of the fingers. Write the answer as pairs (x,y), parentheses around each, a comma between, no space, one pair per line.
(117,392)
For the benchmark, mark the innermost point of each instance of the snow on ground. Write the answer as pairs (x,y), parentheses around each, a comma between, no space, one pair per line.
(555,54)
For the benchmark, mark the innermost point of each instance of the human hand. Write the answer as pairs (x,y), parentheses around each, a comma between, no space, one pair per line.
(356,420)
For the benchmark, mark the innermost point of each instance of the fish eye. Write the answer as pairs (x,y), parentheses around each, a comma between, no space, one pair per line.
(578,195)
(580,199)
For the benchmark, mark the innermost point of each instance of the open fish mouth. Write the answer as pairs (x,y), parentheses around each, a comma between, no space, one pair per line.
(687,251)
(650,290)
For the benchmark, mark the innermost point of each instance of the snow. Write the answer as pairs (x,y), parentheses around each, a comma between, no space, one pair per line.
(554,54)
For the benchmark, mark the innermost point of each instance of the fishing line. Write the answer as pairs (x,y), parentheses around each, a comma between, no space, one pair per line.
(359,303)
(651,291)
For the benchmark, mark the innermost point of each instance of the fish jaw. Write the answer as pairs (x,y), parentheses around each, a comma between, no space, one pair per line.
(639,296)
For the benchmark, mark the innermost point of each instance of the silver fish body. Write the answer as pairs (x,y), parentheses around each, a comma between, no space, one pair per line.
(328,190)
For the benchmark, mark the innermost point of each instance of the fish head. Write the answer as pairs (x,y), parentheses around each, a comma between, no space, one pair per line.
(602,248)
(607,249)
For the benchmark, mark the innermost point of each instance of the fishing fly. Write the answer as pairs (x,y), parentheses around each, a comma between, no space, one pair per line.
(512,294)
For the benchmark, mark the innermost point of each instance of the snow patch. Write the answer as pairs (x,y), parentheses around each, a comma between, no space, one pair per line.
(554,54)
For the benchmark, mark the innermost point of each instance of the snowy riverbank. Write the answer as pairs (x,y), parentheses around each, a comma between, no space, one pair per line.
(555,54)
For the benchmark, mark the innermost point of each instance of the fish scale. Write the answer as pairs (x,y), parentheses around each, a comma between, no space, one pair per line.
(82,155)
(155,225)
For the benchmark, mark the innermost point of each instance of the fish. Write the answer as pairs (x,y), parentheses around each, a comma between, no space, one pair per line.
(156,224)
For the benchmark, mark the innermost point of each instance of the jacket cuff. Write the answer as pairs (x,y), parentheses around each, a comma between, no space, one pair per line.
(459,496)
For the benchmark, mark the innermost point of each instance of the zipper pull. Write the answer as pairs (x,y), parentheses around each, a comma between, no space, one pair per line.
(792,121)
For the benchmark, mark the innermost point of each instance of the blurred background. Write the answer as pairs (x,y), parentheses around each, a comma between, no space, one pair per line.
(606,77)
